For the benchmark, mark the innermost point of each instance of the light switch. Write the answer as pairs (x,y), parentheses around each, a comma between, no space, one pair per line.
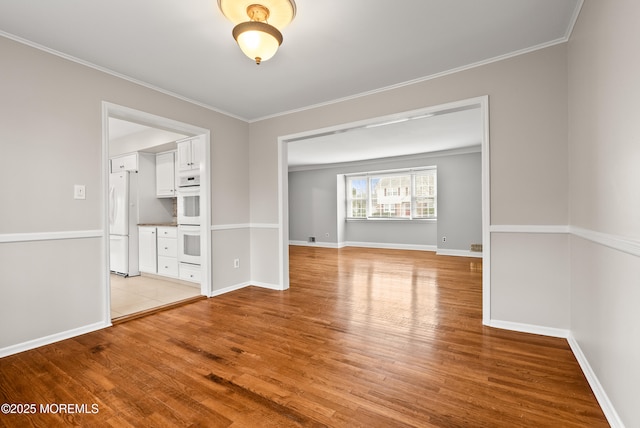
(79,191)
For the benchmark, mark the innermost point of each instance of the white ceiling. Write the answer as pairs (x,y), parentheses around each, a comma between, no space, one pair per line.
(446,130)
(119,128)
(125,136)
(334,49)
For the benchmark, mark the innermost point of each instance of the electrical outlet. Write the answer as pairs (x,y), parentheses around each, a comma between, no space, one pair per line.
(79,191)
(312,239)
(236,263)
(444,239)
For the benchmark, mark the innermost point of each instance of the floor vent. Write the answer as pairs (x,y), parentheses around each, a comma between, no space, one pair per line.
(476,247)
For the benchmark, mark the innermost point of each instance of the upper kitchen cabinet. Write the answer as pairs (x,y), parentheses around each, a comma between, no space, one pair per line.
(166,175)
(125,163)
(190,154)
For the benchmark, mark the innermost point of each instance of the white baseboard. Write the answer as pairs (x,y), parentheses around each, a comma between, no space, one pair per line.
(529,328)
(230,288)
(276,287)
(47,340)
(459,253)
(602,397)
(388,246)
(315,244)
(235,287)
(57,337)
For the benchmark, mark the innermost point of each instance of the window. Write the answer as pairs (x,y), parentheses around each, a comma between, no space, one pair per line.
(407,194)
(388,200)
(424,195)
(357,191)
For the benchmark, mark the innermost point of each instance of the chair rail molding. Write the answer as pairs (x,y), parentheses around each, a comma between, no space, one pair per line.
(50,236)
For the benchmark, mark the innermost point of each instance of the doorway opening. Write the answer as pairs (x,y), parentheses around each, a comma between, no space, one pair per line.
(480,103)
(143,268)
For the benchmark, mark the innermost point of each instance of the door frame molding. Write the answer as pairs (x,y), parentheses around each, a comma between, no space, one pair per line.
(154,121)
(283,185)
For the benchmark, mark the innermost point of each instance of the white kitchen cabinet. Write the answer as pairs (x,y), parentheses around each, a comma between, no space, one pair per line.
(147,254)
(128,162)
(168,266)
(168,251)
(168,232)
(168,247)
(189,272)
(190,154)
(158,254)
(166,175)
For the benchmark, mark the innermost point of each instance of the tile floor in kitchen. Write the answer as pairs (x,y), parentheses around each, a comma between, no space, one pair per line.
(139,293)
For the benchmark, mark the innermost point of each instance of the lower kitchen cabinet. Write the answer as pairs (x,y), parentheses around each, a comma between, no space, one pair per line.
(158,250)
(158,254)
(189,272)
(147,256)
(168,251)
(168,266)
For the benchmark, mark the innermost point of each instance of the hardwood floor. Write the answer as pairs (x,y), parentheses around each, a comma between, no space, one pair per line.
(377,338)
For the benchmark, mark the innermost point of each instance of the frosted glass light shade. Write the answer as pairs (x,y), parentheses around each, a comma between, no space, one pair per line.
(258,40)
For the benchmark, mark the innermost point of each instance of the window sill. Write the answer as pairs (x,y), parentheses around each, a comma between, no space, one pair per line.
(404,220)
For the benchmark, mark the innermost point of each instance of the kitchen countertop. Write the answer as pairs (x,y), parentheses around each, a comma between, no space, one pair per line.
(158,224)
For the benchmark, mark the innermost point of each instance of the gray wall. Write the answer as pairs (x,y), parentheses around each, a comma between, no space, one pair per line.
(605,198)
(459,202)
(52,262)
(314,203)
(528,157)
(586,90)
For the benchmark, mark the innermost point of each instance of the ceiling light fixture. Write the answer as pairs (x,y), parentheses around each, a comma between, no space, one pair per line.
(260,37)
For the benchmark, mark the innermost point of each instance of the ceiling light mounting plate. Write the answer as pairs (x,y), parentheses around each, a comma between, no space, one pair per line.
(280,12)
(258,12)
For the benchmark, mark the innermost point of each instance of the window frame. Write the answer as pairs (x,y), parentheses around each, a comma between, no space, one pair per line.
(413,197)
(350,199)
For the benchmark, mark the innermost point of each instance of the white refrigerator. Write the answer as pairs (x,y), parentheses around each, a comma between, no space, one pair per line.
(123,219)
(133,200)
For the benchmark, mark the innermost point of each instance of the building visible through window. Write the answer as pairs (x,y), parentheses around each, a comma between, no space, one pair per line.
(407,194)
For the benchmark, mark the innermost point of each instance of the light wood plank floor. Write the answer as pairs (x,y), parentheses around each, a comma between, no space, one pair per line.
(363,338)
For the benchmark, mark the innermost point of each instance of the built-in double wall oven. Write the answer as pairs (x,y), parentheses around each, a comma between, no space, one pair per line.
(189,200)
(189,220)
(189,244)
